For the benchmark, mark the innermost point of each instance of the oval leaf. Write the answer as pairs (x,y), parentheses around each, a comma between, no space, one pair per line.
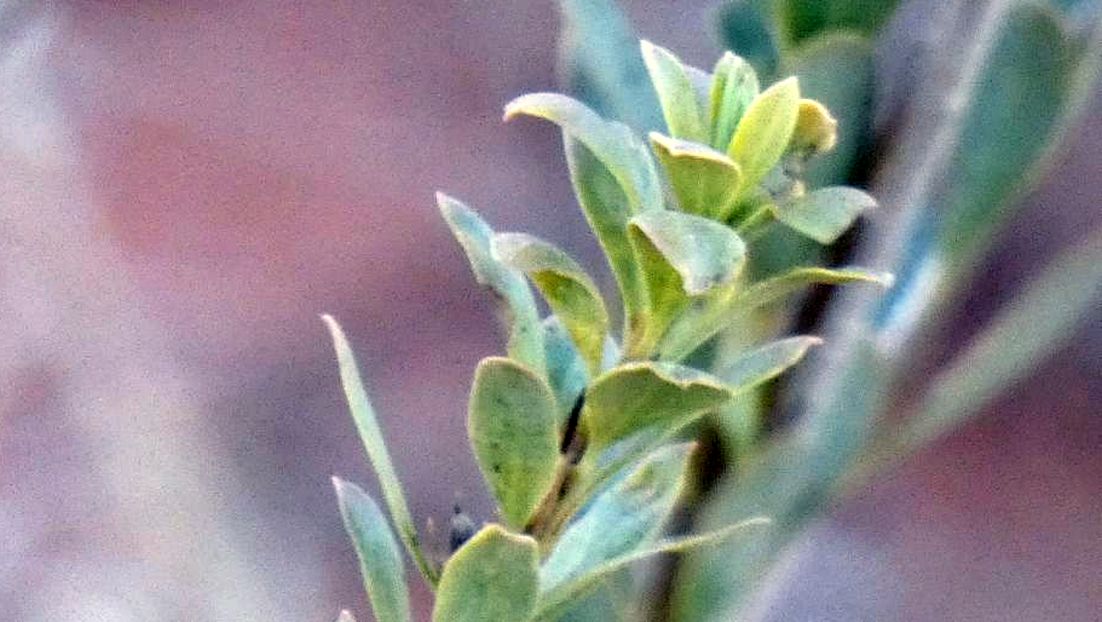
(380,562)
(764,131)
(620,520)
(647,397)
(569,291)
(513,427)
(519,306)
(734,87)
(493,576)
(612,143)
(704,180)
(766,362)
(685,117)
(825,214)
(372,437)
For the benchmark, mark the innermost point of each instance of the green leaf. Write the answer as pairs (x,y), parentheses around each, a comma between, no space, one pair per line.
(521,316)
(766,362)
(837,70)
(380,562)
(682,256)
(368,427)
(734,88)
(803,19)
(647,396)
(494,576)
(703,179)
(612,143)
(624,517)
(692,330)
(569,291)
(745,28)
(686,118)
(599,55)
(561,597)
(764,131)
(1029,328)
(513,427)
(566,370)
(825,214)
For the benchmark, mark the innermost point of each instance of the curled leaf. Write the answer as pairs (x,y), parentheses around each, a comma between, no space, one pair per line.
(704,180)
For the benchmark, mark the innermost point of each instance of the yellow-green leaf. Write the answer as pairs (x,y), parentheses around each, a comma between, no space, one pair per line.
(764,131)
(494,576)
(513,427)
(734,87)
(685,117)
(569,291)
(704,180)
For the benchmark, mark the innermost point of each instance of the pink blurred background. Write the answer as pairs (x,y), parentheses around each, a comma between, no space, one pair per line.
(183,190)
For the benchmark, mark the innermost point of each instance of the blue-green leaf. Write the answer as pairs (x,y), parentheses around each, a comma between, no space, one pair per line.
(825,214)
(518,305)
(368,426)
(494,576)
(745,27)
(567,372)
(380,560)
(686,118)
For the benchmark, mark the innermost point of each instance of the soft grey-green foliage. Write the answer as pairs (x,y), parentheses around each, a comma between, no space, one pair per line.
(712,234)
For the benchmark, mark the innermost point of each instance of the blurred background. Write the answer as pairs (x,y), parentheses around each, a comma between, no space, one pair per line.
(184,188)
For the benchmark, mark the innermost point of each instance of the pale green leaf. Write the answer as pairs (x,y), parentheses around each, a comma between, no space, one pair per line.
(682,256)
(647,396)
(380,560)
(513,427)
(824,215)
(619,520)
(685,116)
(764,363)
(704,180)
(559,598)
(1027,330)
(521,317)
(613,144)
(368,427)
(569,291)
(734,87)
(494,576)
(764,131)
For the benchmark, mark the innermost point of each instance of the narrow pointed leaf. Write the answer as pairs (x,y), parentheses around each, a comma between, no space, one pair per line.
(513,427)
(824,215)
(766,362)
(612,143)
(1029,328)
(647,396)
(704,180)
(567,372)
(620,520)
(558,599)
(764,131)
(569,291)
(606,209)
(380,560)
(363,414)
(681,256)
(494,576)
(521,317)
(685,116)
(774,289)
(734,87)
